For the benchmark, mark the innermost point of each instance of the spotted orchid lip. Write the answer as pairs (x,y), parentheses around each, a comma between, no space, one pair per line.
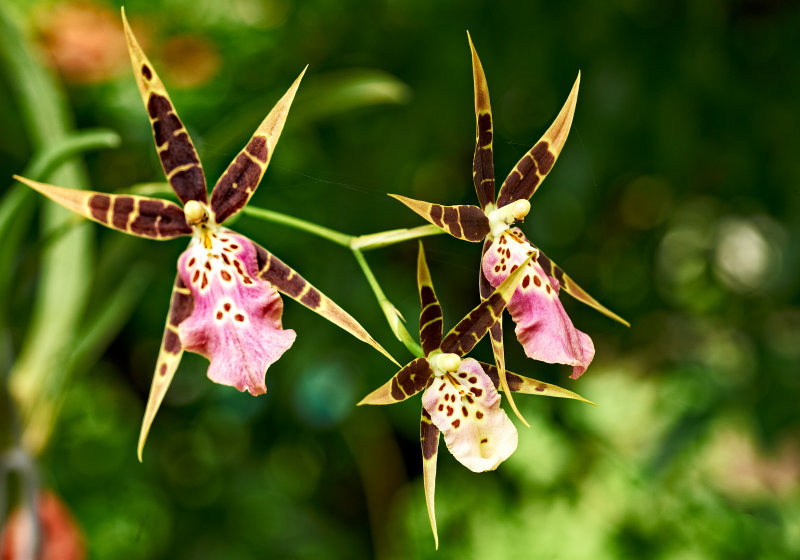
(465,407)
(542,325)
(236,321)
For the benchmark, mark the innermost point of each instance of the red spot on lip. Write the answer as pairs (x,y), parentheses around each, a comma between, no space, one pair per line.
(196,276)
(239,317)
(537,281)
(219,314)
(456,423)
(227,306)
(191,262)
(225,275)
(473,380)
(478,414)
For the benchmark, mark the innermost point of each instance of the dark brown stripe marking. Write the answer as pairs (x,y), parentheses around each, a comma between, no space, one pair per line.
(450,219)
(277,273)
(482,162)
(159,219)
(524,179)
(311,299)
(436,214)
(99,204)
(474,223)
(172,343)
(123,206)
(146,72)
(179,150)
(466,334)
(257,147)
(428,436)
(226,199)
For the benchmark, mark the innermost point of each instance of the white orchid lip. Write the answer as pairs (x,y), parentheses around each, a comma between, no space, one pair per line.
(444,363)
(500,219)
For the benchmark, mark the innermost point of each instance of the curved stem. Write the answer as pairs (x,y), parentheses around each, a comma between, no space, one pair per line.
(389,310)
(384,238)
(331,235)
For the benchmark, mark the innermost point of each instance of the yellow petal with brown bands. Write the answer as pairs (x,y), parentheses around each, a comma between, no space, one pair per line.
(174,146)
(180,307)
(568,285)
(482,161)
(429,441)
(136,215)
(466,334)
(241,178)
(407,382)
(430,315)
(534,166)
(287,281)
(521,384)
(464,221)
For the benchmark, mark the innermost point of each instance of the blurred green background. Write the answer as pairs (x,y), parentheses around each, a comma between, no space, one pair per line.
(675,202)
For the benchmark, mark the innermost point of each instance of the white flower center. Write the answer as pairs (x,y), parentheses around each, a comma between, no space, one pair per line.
(444,363)
(500,219)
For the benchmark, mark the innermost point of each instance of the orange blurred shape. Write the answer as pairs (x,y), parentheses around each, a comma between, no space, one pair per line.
(190,61)
(60,537)
(84,40)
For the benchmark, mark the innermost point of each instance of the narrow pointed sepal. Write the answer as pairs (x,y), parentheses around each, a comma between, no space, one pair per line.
(482,161)
(175,148)
(464,221)
(542,325)
(180,307)
(465,407)
(241,178)
(496,338)
(236,322)
(534,166)
(466,334)
(406,383)
(568,285)
(521,384)
(136,215)
(429,441)
(430,316)
(287,281)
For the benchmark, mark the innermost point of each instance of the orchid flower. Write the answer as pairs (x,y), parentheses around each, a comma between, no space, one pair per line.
(542,326)
(225,303)
(461,398)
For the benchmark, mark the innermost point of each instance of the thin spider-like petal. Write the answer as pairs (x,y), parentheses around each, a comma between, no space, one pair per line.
(496,337)
(464,221)
(466,334)
(287,281)
(568,285)
(543,327)
(430,316)
(180,307)
(136,215)
(406,383)
(241,178)
(465,406)
(534,166)
(236,322)
(521,384)
(429,441)
(175,148)
(482,161)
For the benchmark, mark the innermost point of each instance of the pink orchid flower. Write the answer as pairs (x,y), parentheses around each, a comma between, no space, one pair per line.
(225,303)
(461,398)
(542,326)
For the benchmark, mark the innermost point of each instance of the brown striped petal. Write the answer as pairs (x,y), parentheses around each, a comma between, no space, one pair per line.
(463,221)
(521,384)
(241,179)
(534,166)
(430,316)
(180,307)
(466,334)
(568,285)
(289,282)
(175,149)
(482,161)
(429,441)
(137,215)
(496,338)
(407,382)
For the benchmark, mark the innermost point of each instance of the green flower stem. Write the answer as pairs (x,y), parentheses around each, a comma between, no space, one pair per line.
(384,238)
(336,237)
(390,311)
